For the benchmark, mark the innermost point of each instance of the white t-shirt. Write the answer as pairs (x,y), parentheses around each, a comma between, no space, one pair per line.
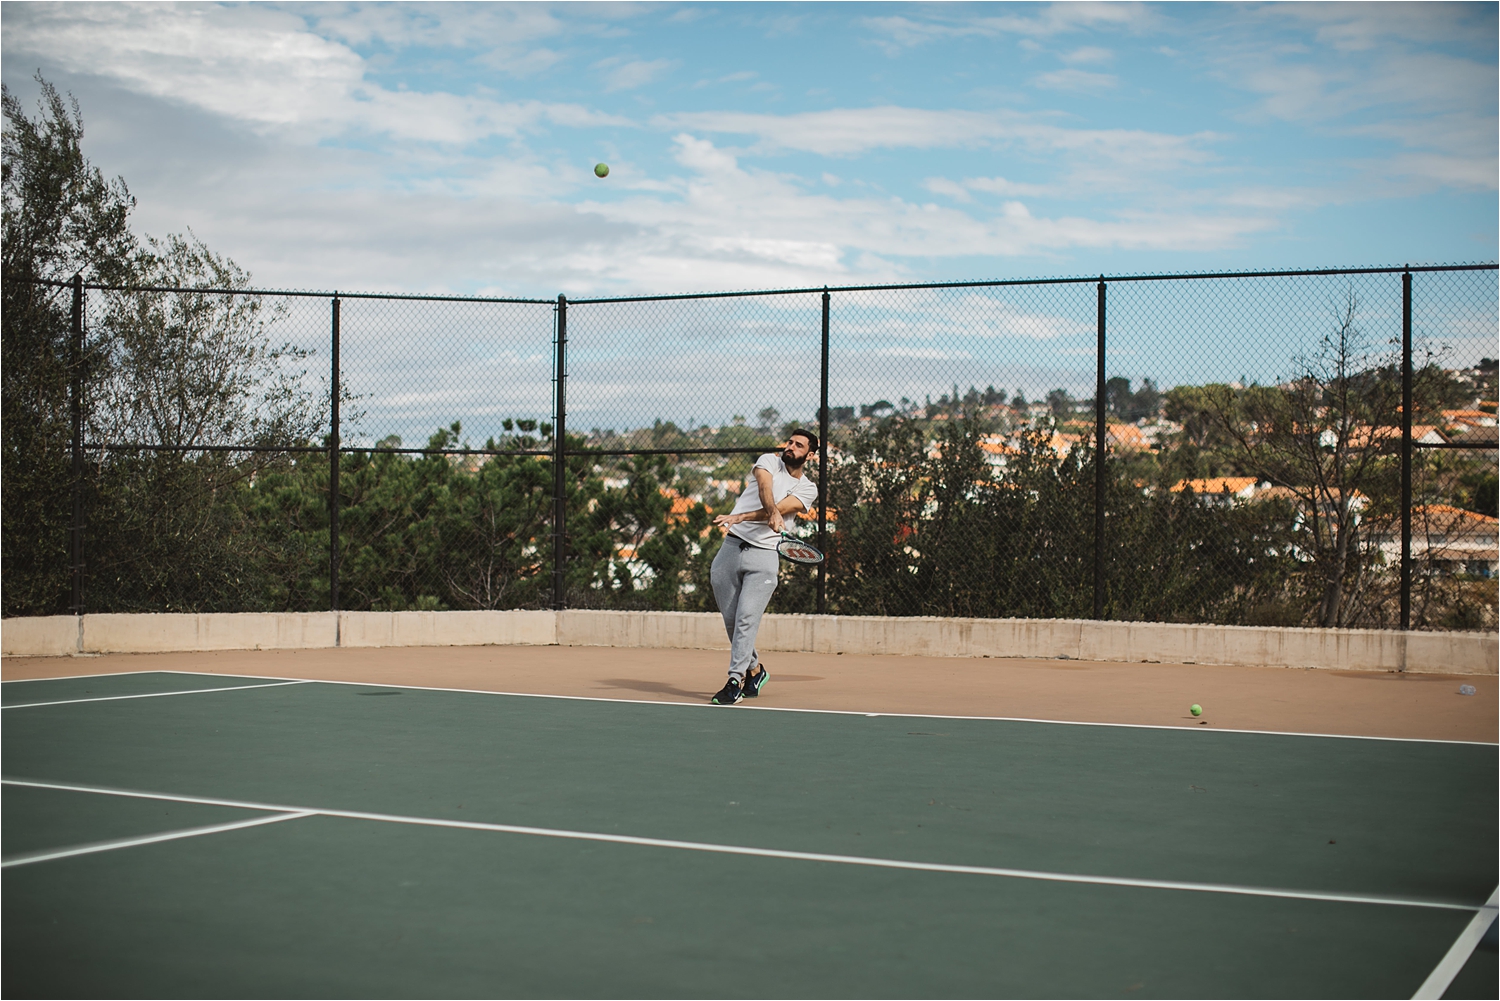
(783,483)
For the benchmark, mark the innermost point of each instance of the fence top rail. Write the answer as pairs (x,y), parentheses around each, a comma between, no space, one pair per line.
(1078,280)
(342,449)
(805,290)
(382,450)
(295,293)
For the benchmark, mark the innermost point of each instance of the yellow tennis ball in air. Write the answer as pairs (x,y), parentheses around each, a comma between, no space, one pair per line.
(601,170)
(1195,709)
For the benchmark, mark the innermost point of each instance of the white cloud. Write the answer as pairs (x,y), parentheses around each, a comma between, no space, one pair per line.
(1087,54)
(1053,19)
(1000,186)
(848,131)
(729,219)
(525,63)
(950,189)
(1369,81)
(1079,81)
(933,354)
(1362,27)
(361,183)
(262,66)
(739,77)
(634,74)
(463,26)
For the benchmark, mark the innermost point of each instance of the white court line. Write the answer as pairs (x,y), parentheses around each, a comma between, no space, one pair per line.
(700,846)
(1441,977)
(772,709)
(154,695)
(28,858)
(788,709)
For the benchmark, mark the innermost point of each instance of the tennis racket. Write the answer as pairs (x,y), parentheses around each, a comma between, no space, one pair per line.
(798,551)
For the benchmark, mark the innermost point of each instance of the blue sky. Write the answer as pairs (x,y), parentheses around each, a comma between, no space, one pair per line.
(449,148)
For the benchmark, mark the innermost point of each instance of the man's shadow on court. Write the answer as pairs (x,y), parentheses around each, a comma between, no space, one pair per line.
(652,687)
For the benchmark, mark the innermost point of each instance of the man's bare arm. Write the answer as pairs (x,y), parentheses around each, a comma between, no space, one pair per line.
(791,505)
(764,481)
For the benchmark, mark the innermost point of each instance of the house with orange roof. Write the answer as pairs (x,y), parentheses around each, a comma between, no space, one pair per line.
(1359,437)
(1221,490)
(1476,436)
(997,451)
(680,507)
(1126,438)
(1473,418)
(811,516)
(1447,540)
(1062,443)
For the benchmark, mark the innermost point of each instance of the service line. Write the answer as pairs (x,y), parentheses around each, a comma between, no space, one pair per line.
(153,695)
(699,846)
(27,858)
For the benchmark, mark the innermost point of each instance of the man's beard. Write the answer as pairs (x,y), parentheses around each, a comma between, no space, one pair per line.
(791,461)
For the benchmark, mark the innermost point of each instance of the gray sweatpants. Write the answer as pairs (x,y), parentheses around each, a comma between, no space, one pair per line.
(743,577)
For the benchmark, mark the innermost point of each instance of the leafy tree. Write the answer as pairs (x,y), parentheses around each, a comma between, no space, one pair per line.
(1061,402)
(189,371)
(197,368)
(181,370)
(61,218)
(927,527)
(1315,437)
(1131,406)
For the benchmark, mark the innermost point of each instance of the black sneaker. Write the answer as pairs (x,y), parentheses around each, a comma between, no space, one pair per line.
(755,682)
(731,693)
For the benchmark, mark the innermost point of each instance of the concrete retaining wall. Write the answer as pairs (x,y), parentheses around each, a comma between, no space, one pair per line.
(39,636)
(1149,642)
(1075,639)
(507,628)
(245,631)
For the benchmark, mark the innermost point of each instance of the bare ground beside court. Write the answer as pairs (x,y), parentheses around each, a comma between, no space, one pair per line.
(1273,699)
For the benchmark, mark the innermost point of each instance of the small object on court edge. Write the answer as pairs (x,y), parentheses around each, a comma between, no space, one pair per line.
(1195,709)
(1466,689)
(601,170)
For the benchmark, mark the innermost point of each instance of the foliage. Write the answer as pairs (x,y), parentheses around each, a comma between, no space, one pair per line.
(196,368)
(61,218)
(938,532)
(1316,438)
(188,371)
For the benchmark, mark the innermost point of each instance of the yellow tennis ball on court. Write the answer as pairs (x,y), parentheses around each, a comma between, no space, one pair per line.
(1195,709)
(601,170)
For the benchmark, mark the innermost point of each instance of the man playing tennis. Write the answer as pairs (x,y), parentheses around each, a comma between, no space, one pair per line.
(744,572)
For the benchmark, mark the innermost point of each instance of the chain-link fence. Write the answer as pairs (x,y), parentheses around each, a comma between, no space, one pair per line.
(1227,448)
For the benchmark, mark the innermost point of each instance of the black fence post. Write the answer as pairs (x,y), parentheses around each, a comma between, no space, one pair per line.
(333,470)
(1406,405)
(1099,465)
(560,460)
(823,471)
(75,530)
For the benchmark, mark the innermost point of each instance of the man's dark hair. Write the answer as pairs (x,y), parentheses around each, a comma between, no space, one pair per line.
(812,439)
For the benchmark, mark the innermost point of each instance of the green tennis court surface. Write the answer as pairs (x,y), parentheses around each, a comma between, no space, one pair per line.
(314,839)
